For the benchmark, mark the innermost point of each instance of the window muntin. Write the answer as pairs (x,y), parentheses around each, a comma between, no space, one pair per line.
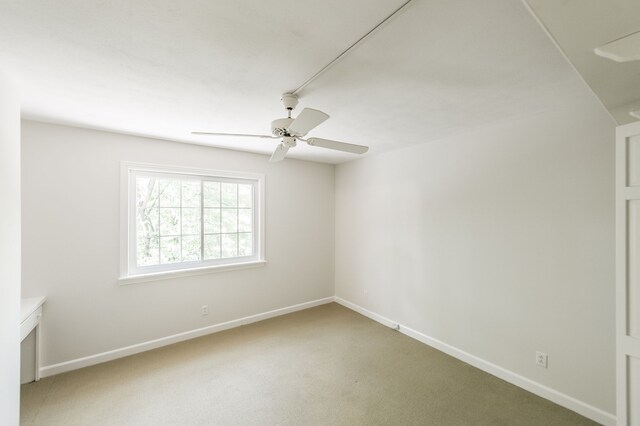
(180,221)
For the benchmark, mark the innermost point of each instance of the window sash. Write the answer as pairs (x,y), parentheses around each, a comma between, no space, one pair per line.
(257,217)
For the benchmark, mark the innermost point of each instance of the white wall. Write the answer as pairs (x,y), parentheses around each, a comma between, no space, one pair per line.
(9,253)
(499,242)
(71,242)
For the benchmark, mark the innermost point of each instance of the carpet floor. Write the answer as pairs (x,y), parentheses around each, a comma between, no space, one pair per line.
(322,366)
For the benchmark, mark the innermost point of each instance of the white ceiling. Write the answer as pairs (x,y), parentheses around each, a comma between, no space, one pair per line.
(579,26)
(166,68)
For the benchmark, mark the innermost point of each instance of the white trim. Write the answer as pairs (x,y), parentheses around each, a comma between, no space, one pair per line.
(124,217)
(626,344)
(621,276)
(166,275)
(162,168)
(87,361)
(536,388)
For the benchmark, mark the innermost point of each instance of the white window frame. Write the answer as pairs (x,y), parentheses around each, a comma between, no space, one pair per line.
(130,273)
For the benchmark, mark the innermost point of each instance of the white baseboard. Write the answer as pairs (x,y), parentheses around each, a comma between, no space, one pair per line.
(536,388)
(75,364)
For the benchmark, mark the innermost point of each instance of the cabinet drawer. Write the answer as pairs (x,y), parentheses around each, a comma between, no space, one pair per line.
(30,322)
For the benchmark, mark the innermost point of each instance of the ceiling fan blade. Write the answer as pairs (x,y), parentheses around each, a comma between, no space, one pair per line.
(240,135)
(307,120)
(279,153)
(339,146)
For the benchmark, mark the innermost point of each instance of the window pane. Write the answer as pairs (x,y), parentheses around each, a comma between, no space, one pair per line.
(147,219)
(245,217)
(190,221)
(147,223)
(229,220)
(191,248)
(229,245)
(212,221)
(212,246)
(146,192)
(211,194)
(229,194)
(245,196)
(169,221)
(245,244)
(190,193)
(169,249)
(169,192)
(148,251)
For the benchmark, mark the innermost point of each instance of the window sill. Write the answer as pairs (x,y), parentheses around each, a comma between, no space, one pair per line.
(157,276)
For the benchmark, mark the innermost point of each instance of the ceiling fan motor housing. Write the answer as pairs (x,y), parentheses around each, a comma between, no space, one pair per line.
(279,126)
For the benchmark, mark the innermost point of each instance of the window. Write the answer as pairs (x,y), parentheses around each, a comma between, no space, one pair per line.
(183,220)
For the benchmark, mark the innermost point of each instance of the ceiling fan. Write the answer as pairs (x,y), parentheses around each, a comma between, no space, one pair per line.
(290,130)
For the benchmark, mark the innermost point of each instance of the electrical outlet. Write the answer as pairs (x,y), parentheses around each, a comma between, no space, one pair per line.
(205,310)
(541,359)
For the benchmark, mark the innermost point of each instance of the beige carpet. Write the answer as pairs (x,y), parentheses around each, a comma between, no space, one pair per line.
(326,365)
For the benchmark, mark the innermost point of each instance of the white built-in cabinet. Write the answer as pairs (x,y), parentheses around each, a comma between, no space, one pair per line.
(628,274)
